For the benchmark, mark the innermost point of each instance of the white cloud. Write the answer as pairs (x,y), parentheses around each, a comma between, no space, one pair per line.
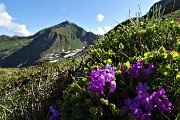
(103,30)
(100,17)
(6,22)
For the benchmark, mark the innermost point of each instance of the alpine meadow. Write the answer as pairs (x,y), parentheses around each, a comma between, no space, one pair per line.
(64,72)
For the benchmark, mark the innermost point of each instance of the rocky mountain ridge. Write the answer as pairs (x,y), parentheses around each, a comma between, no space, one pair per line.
(57,39)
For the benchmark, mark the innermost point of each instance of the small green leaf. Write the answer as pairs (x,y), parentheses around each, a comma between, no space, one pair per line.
(103,101)
(96,111)
(178,77)
(178,117)
(108,61)
(148,55)
(163,70)
(169,57)
(121,46)
(162,50)
(168,66)
(115,111)
(84,79)
(175,54)
(127,65)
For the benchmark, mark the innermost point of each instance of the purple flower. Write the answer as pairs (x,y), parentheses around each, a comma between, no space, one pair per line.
(97,86)
(99,78)
(134,69)
(143,97)
(144,116)
(110,69)
(138,111)
(52,109)
(155,98)
(122,69)
(161,91)
(97,74)
(112,86)
(145,73)
(128,105)
(142,105)
(142,87)
(167,105)
(149,104)
(151,66)
(132,106)
(161,101)
(139,64)
(137,70)
(55,113)
(109,77)
(164,106)
(136,108)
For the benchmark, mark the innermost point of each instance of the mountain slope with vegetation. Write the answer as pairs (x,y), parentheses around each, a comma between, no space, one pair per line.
(56,39)
(8,45)
(132,73)
(137,62)
(141,43)
(164,9)
(173,16)
(166,6)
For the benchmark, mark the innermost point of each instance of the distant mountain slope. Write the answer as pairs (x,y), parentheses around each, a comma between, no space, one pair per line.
(169,9)
(56,39)
(166,6)
(8,45)
(173,15)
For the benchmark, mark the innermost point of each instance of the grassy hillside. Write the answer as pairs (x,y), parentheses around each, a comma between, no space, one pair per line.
(142,80)
(173,16)
(154,42)
(165,6)
(6,72)
(8,45)
(163,9)
(35,86)
(131,73)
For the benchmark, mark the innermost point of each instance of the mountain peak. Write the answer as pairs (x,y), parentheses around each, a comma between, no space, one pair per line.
(63,24)
(55,40)
(66,22)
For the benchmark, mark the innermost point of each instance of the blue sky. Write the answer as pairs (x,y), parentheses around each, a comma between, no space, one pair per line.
(26,17)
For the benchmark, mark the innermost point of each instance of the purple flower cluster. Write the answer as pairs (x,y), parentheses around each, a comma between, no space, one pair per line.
(99,78)
(142,105)
(55,113)
(137,70)
(161,101)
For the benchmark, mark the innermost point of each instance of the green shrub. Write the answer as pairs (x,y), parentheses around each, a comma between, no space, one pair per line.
(150,41)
